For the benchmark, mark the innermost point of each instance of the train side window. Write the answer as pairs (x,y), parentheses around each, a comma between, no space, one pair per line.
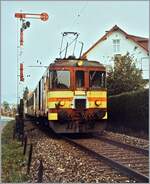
(79,79)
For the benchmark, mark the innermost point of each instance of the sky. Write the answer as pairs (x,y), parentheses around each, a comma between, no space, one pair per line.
(42,39)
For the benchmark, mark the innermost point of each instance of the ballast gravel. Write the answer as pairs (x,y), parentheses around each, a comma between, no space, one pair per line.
(143,143)
(65,163)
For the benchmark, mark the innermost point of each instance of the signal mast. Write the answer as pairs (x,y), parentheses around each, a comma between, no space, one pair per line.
(24,25)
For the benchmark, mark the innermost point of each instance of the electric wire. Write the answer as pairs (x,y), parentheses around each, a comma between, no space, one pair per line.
(80,12)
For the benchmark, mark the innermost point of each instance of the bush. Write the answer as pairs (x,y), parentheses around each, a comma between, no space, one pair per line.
(129,110)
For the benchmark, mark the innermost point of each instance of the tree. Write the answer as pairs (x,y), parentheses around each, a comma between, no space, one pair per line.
(25,94)
(124,77)
(6,106)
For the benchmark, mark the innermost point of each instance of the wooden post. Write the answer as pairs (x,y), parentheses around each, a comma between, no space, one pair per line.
(25,144)
(29,159)
(40,172)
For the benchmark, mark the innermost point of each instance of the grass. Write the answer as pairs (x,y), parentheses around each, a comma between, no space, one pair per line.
(13,161)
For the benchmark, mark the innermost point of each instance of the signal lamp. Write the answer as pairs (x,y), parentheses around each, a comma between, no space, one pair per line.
(24,26)
(80,63)
(97,103)
(28,24)
(61,103)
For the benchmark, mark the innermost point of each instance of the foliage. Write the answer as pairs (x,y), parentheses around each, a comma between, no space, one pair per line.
(6,106)
(25,94)
(124,77)
(13,161)
(8,110)
(129,110)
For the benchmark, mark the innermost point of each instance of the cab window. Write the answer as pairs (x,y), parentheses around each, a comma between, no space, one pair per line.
(79,79)
(59,79)
(97,79)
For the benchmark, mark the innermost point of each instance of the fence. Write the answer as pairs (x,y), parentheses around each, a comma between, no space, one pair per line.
(19,133)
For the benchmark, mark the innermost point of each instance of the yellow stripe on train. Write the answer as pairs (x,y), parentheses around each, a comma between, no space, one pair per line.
(60,94)
(54,97)
(97,94)
(65,94)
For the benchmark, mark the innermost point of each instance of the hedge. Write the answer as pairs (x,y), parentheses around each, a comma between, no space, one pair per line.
(129,110)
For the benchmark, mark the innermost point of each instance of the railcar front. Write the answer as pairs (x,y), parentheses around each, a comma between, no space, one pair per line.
(77,96)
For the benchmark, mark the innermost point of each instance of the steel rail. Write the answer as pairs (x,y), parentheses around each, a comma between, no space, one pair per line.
(121,168)
(123,145)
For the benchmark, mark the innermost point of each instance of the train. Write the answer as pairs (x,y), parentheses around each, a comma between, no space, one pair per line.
(71,96)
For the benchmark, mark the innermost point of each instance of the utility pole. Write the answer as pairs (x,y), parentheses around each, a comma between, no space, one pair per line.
(24,25)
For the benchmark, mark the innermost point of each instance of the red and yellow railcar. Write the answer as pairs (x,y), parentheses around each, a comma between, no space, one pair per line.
(71,96)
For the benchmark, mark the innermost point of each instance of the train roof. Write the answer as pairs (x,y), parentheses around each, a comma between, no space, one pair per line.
(73,62)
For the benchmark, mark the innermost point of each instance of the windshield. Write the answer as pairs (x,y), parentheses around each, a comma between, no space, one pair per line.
(79,79)
(60,79)
(97,79)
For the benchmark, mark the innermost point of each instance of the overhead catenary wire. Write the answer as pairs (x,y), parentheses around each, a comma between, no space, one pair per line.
(80,12)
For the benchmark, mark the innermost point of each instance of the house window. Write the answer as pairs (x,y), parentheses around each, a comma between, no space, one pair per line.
(116,45)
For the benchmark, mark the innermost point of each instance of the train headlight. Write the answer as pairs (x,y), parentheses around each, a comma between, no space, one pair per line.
(80,63)
(61,103)
(97,103)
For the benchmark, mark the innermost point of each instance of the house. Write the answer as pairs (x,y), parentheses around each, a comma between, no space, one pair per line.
(118,42)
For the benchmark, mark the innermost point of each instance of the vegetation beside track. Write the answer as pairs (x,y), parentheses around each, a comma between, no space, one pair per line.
(13,162)
(129,110)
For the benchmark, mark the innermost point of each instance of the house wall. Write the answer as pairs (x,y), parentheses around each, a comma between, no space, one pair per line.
(104,52)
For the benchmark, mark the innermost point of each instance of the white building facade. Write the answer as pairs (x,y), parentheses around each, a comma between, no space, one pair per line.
(118,42)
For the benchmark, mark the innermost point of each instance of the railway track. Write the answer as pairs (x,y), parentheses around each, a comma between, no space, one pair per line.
(123,145)
(129,160)
(130,163)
